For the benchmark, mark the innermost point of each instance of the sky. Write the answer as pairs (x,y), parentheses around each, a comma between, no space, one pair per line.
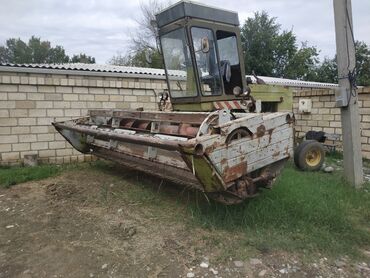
(102,28)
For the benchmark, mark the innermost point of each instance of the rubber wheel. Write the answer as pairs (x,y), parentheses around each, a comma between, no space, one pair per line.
(309,155)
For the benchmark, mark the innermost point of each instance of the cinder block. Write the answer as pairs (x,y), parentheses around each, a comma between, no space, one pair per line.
(8,122)
(17,96)
(101,98)
(70,97)
(143,99)
(123,105)
(5,79)
(130,98)
(37,112)
(46,89)
(53,97)
(99,83)
(86,97)
(16,113)
(109,105)
(46,153)
(39,146)
(62,104)
(66,159)
(328,117)
(116,98)
(71,82)
(4,113)
(24,80)
(33,80)
(92,83)
(72,112)
(10,104)
(25,104)
(15,79)
(27,138)
(96,91)
(45,137)
(28,88)
(11,156)
(5,130)
(63,90)
(5,148)
(8,88)
(35,96)
(80,90)
(20,147)
(56,81)
(94,105)
(40,80)
(8,139)
(27,121)
(40,129)
(138,92)
(64,152)
(44,104)
(44,121)
(3,96)
(55,112)
(111,91)
(78,104)
(57,145)
(329,129)
(335,124)
(20,130)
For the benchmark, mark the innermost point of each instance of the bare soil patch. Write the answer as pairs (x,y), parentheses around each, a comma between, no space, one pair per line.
(92,223)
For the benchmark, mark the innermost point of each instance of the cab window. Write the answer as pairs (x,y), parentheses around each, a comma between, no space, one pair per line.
(229,61)
(206,61)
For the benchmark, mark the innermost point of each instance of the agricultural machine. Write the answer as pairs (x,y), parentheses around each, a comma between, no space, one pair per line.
(212,139)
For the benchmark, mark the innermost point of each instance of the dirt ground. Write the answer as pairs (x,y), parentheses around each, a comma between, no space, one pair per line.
(85,223)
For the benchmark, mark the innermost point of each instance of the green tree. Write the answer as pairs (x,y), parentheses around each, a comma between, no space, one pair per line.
(140,58)
(37,51)
(362,63)
(82,58)
(272,52)
(328,70)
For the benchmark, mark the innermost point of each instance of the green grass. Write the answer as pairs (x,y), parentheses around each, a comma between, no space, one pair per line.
(14,175)
(304,212)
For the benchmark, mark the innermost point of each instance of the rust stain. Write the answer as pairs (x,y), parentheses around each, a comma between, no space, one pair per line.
(235,172)
(261,131)
(270,131)
(212,147)
(224,161)
(275,154)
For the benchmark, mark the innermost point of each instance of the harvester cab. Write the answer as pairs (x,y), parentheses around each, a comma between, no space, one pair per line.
(208,142)
(203,58)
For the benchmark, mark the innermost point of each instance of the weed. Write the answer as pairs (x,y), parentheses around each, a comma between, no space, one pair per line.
(13,175)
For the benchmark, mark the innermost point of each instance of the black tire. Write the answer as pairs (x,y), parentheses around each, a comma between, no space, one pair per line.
(309,155)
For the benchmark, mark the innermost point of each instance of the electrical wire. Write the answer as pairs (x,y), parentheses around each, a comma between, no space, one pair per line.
(351,73)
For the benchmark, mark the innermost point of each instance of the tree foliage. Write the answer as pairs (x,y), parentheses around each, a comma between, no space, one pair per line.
(272,52)
(37,51)
(82,58)
(328,70)
(144,50)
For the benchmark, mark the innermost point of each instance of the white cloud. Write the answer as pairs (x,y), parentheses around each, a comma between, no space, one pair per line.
(101,28)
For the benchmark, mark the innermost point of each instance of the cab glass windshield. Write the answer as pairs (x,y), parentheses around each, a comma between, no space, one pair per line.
(178,64)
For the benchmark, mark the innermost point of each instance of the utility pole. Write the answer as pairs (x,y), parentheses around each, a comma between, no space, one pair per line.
(346,96)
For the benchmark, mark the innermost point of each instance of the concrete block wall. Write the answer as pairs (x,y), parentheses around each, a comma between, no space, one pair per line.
(326,117)
(29,103)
